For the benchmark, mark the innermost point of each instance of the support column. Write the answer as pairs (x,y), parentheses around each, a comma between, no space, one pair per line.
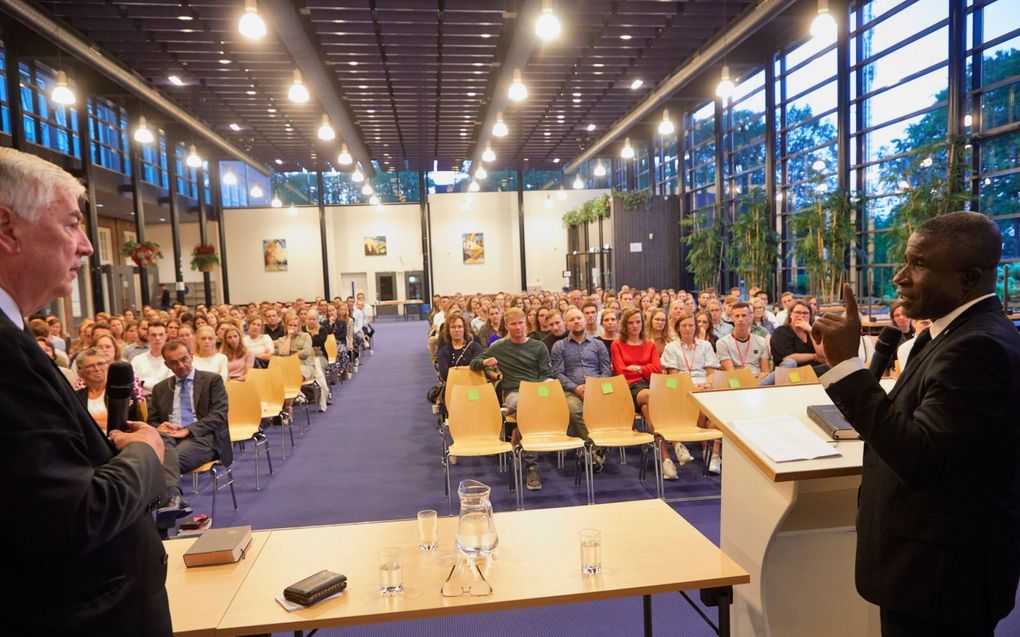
(722,218)
(976,78)
(842,97)
(770,161)
(322,232)
(217,205)
(175,215)
(203,231)
(135,151)
(520,224)
(92,212)
(426,266)
(14,86)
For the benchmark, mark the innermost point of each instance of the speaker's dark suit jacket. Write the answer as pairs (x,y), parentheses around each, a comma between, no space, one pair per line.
(81,551)
(938,521)
(210,398)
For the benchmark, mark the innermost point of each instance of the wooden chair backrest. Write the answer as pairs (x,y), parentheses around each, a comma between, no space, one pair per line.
(331,348)
(796,375)
(542,408)
(270,386)
(290,368)
(607,404)
(474,412)
(669,401)
(464,375)
(244,405)
(744,377)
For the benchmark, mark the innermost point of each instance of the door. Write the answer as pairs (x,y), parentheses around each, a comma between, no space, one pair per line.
(413,285)
(353,282)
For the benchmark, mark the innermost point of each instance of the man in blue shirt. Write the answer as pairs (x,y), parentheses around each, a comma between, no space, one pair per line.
(574,358)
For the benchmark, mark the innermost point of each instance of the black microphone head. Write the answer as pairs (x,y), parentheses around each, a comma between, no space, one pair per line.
(888,340)
(119,380)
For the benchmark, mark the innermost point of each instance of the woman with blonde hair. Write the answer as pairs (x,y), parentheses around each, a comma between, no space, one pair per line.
(239,358)
(206,358)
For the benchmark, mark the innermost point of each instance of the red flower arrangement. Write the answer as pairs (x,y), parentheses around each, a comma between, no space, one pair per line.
(204,257)
(143,253)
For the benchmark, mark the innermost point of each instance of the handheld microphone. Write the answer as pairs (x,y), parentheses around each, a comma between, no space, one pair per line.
(120,380)
(885,347)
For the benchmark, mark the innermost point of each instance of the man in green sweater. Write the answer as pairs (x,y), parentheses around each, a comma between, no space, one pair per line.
(518,358)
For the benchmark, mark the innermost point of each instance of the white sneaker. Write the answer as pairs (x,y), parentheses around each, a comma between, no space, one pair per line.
(715,465)
(668,470)
(683,456)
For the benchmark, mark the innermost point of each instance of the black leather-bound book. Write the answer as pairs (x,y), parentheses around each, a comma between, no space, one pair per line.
(832,422)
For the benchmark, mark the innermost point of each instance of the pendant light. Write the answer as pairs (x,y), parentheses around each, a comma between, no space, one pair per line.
(326,132)
(297,92)
(344,158)
(488,155)
(499,129)
(578,184)
(62,93)
(367,189)
(357,176)
(473,186)
(256,192)
(600,170)
(251,25)
(666,125)
(518,92)
(724,90)
(627,152)
(481,173)
(193,160)
(374,200)
(824,25)
(142,134)
(229,178)
(547,27)
(276,203)
(292,211)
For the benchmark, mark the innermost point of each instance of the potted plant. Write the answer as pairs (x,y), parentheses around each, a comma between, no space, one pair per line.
(825,231)
(704,242)
(143,253)
(754,245)
(204,257)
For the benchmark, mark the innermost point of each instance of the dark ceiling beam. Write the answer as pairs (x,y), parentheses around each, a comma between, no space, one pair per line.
(754,19)
(88,53)
(290,29)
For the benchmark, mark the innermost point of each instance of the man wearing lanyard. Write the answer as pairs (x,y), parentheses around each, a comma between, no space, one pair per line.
(190,411)
(741,348)
(82,554)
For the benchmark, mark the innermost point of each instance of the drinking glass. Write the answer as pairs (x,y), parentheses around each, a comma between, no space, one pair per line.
(428,523)
(391,577)
(591,551)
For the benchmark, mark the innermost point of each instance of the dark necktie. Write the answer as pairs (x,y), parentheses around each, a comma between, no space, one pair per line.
(187,413)
(920,342)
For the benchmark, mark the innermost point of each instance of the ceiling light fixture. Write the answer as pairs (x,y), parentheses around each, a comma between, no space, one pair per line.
(193,160)
(627,152)
(499,129)
(556,160)
(488,155)
(279,162)
(367,189)
(234,127)
(600,170)
(344,159)
(276,203)
(297,92)
(256,192)
(142,134)
(578,184)
(326,132)
(251,24)
(62,93)
(824,25)
(229,178)
(968,120)
(518,91)
(357,176)
(176,81)
(547,26)
(292,211)
(591,127)
(374,200)
(625,36)
(666,125)
(481,173)
(473,186)
(636,84)
(725,87)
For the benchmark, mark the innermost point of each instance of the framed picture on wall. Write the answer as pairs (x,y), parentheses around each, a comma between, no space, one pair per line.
(474,248)
(375,246)
(274,254)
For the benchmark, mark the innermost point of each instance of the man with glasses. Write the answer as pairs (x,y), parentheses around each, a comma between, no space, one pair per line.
(189,409)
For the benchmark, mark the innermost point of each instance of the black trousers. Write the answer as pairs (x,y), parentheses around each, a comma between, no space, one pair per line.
(896,624)
(181,455)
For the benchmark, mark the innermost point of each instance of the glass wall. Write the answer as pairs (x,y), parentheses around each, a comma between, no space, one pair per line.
(45,123)
(699,161)
(108,130)
(5,113)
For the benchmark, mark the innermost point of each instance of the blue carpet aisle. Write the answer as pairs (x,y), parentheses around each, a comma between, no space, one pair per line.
(374,455)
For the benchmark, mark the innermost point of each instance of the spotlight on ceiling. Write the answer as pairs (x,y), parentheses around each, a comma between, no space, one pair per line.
(547,27)
(326,132)
(297,92)
(344,159)
(251,24)
(518,91)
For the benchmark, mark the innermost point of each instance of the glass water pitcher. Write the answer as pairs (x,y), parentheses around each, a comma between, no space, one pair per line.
(476,532)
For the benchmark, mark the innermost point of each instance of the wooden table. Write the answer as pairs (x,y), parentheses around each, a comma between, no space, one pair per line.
(200,596)
(647,548)
(790,524)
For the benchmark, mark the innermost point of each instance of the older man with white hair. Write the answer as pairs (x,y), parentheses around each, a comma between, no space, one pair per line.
(76,520)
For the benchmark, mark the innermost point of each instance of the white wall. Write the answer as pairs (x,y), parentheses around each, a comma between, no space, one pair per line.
(347,227)
(545,236)
(247,228)
(491,213)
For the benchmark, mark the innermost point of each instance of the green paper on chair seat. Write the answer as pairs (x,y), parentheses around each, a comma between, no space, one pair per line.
(794,377)
(472,394)
(607,388)
(543,391)
(734,383)
(671,383)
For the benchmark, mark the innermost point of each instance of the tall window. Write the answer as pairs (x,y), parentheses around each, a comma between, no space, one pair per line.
(46,124)
(744,141)
(154,162)
(642,178)
(108,129)
(5,113)
(699,161)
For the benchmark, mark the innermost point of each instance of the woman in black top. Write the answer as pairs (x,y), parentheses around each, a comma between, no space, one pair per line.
(457,348)
(792,340)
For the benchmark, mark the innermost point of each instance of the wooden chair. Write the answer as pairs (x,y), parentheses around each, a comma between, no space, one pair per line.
(462,375)
(735,379)
(609,416)
(803,375)
(213,468)
(543,418)
(270,385)
(290,367)
(475,423)
(674,413)
(332,351)
(244,419)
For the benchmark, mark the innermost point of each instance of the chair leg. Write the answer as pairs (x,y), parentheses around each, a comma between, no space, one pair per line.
(589,473)
(623,455)
(269,458)
(707,457)
(194,483)
(215,481)
(230,483)
(449,491)
(257,488)
(283,435)
(518,478)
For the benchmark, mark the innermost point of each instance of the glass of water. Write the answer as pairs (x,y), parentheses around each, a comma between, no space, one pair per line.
(391,576)
(591,551)
(428,522)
